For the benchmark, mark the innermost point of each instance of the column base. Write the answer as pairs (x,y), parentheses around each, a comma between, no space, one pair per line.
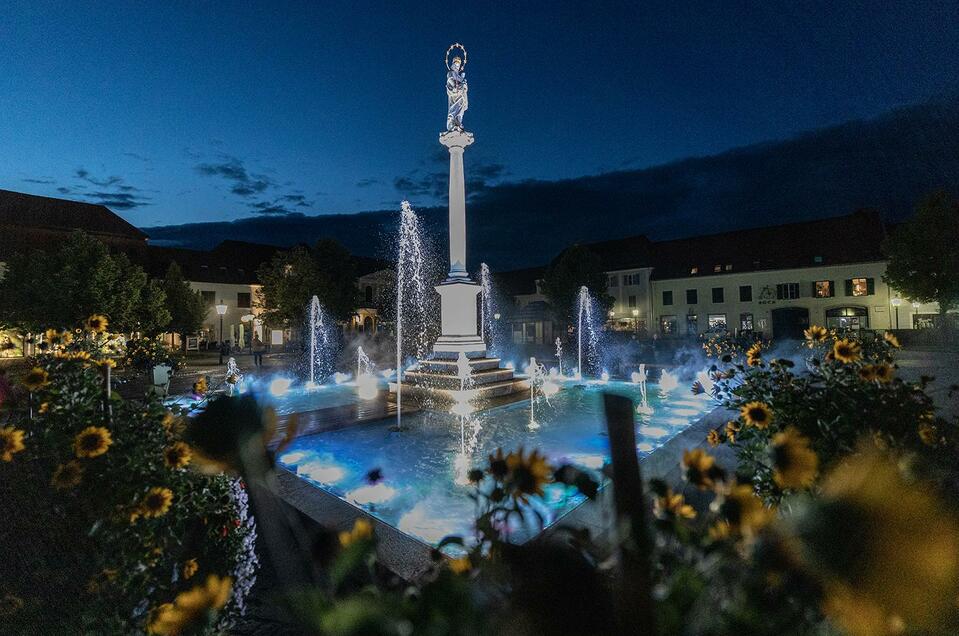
(450,347)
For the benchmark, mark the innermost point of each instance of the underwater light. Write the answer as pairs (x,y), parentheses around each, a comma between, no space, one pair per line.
(644,409)
(340,378)
(292,457)
(653,431)
(549,389)
(510,366)
(366,387)
(644,446)
(604,376)
(321,472)
(429,529)
(686,412)
(635,378)
(372,494)
(667,382)
(280,386)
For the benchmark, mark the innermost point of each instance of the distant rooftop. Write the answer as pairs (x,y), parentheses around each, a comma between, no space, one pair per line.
(30,210)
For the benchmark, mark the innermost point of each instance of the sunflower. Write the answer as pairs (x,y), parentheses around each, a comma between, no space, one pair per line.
(92,441)
(497,465)
(105,363)
(884,372)
(35,379)
(528,473)
(816,334)
(714,438)
(362,531)
(97,323)
(200,386)
(461,565)
(927,433)
(190,567)
(177,455)
(11,441)
(756,414)
(732,427)
(867,372)
(82,356)
(846,350)
(794,463)
(891,340)
(157,502)
(673,505)
(67,475)
(700,468)
(743,510)
(753,355)
(190,610)
(55,337)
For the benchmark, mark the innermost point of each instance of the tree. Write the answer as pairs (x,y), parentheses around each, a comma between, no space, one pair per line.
(924,253)
(63,287)
(289,281)
(575,267)
(185,305)
(338,291)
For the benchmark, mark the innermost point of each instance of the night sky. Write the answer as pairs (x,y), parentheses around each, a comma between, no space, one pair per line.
(175,113)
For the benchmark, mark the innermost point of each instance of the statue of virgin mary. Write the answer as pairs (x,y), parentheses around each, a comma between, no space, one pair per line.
(456,89)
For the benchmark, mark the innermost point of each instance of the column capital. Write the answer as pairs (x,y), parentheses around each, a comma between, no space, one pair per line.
(456,139)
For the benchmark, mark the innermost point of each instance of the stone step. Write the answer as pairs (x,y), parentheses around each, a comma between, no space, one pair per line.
(484,396)
(448,381)
(450,366)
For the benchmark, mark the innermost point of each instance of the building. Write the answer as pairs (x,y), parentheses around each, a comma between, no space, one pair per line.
(773,280)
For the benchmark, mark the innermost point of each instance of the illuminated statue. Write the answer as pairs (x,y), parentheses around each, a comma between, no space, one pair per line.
(456,89)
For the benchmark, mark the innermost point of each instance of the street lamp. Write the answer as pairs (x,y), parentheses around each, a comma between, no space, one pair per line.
(895,303)
(496,316)
(221,309)
(636,320)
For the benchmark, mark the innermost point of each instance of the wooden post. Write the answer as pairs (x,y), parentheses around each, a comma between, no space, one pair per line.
(634,600)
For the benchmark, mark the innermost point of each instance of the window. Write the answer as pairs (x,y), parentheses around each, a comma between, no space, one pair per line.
(613,280)
(729,267)
(691,297)
(209,298)
(276,336)
(717,268)
(745,293)
(667,297)
(693,270)
(692,323)
(823,289)
(745,322)
(667,324)
(860,287)
(817,259)
(243,300)
(368,294)
(847,318)
(787,291)
(719,295)
(631,301)
(631,279)
(717,322)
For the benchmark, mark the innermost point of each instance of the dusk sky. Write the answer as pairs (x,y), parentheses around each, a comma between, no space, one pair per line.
(183,112)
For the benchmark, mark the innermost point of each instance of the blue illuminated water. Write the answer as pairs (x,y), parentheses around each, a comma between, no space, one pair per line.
(419,493)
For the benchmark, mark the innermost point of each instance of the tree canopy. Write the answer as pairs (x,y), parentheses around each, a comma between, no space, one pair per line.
(61,288)
(185,305)
(573,268)
(923,253)
(293,277)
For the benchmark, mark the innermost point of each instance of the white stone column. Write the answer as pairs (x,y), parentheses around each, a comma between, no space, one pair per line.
(456,142)
(458,293)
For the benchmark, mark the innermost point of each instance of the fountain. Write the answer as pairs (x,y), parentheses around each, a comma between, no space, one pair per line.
(367,386)
(488,313)
(667,382)
(323,344)
(639,377)
(233,376)
(559,355)
(586,324)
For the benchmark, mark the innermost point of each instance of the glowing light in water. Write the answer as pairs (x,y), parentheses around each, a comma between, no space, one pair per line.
(340,378)
(644,446)
(594,462)
(550,389)
(371,494)
(292,458)
(419,523)
(634,377)
(310,385)
(280,387)
(653,431)
(604,376)
(322,472)
(510,366)
(686,412)
(667,382)
(366,387)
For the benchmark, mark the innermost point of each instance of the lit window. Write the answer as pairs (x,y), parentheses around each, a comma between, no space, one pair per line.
(824,289)
(694,270)
(717,322)
(667,324)
(729,267)
(817,259)
(746,322)
(717,268)
(860,287)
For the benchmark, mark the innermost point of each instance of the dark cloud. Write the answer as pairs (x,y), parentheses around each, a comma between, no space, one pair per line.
(111,191)
(365,183)
(232,169)
(136,156)
(435,183)
(43,180)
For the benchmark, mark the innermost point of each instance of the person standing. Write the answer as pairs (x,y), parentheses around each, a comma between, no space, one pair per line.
(258,349)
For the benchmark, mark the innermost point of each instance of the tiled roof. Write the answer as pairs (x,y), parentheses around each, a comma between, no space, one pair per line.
(30,210)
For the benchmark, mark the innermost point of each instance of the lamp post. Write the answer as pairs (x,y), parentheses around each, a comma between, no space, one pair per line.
(221,310)
(635,321)
(895,303)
